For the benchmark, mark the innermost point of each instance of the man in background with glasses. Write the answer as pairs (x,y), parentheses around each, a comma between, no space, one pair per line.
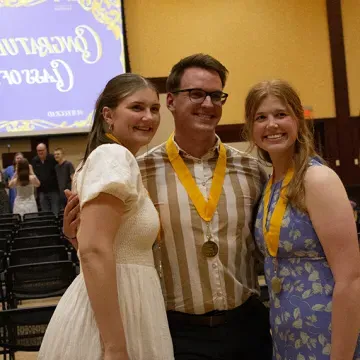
(205,193)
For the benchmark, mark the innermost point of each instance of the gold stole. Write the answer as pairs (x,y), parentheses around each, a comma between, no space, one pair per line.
(206,209)
(272,236)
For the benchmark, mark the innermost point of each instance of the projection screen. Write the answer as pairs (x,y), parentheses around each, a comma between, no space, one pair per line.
(55,58)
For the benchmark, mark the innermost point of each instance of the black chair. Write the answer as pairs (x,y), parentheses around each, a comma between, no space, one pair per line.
(8,226)
(23,329)
(3,267)
(38,281)
(4,245)
(38,255)
(39,222)
(74,257)
(15,221)
(37,231)
(36,241)
(6,234)
(11,217)
(38,215)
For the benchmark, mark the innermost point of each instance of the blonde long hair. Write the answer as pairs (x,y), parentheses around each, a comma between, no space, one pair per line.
(304,145)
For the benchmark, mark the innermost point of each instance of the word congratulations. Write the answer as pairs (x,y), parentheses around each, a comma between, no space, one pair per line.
(44,46)
(59,71)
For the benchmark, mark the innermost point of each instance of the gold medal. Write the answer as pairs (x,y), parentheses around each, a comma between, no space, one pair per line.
(210,248)
(276,284)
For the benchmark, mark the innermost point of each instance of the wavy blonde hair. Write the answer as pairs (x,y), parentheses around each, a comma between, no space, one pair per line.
(304,145)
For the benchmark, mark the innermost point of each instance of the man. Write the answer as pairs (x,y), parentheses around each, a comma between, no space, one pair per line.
(206,247)
(64,173)
(44,168)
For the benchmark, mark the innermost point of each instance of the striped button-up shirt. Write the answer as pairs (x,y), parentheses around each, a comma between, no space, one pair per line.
(193,283)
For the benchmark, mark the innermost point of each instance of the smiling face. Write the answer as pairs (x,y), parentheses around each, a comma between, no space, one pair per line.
(58,155)
(136,118)
(274,128)
(193,117)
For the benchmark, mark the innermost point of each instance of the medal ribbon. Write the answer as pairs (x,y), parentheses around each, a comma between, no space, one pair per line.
(113,138)
(272,236)
(206,209)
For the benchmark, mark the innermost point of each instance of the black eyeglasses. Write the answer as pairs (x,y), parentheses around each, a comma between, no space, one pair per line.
(198,96)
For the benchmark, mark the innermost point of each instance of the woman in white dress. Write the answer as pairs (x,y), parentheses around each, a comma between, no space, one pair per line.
(25,182)
(114,310)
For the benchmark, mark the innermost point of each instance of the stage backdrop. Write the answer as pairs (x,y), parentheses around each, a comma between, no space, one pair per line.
(55,58)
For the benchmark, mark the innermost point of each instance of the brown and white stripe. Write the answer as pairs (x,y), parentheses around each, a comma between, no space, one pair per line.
(192,283)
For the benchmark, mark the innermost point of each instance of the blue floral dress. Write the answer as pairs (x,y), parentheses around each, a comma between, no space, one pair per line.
(300,314)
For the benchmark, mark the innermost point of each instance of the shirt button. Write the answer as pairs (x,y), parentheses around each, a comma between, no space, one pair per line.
(214,266)
(219,293)
(204,183)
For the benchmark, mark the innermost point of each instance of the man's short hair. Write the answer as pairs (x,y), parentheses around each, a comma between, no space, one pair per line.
(202,61)
(59,149)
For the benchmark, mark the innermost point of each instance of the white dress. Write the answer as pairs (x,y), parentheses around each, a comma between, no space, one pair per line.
(72,332)
(25,202)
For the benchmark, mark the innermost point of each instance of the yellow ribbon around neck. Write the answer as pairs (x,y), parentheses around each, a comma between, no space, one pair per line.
(113,138)
(206,209)
(272,235)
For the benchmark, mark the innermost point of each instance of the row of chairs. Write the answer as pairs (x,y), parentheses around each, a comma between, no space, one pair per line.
(35,262)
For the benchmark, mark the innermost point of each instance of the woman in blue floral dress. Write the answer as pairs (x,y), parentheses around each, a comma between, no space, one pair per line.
(306,230)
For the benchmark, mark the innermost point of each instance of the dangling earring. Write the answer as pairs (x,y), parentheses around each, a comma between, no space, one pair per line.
(111,127)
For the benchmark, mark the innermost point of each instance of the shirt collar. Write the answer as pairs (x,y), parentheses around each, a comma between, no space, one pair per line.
(210,154)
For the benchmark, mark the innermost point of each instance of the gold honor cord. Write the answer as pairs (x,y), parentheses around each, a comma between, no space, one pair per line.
(272,236)
(206,209)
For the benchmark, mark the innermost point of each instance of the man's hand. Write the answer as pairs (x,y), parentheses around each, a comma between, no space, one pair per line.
(71,217)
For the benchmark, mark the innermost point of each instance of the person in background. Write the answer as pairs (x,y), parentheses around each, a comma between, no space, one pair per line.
(25,183)
(44,168)
(305,227)
(64,173)
(4,198)
(8,175)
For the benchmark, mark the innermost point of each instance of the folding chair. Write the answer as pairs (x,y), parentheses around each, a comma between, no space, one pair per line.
(23,329)
(8,226)
(38,281)
(37,231)
(36,241)
(38,255)
(39,222)
(6,234)
(38,215)
(6,220)
(10,217)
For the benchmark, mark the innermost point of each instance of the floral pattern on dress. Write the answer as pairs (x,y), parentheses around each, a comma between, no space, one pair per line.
(300,314)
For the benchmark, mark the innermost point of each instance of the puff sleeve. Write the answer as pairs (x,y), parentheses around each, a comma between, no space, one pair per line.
(111,169)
